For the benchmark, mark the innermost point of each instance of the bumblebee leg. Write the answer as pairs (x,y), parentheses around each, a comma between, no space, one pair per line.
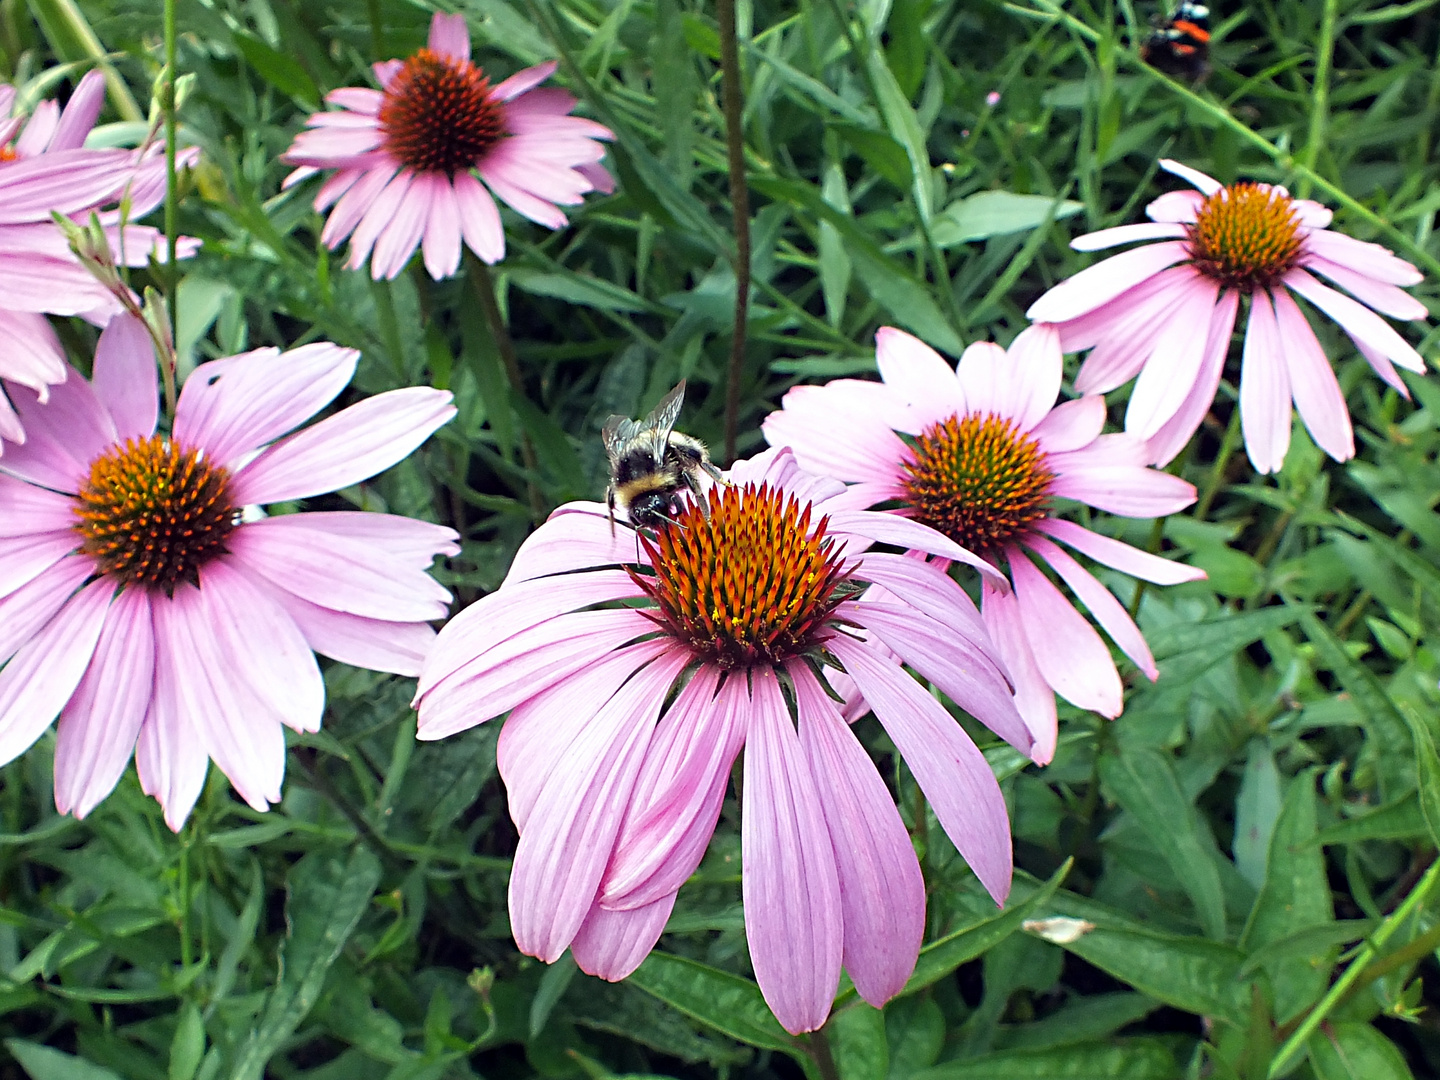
(715,474)
(696,493)
(610,502)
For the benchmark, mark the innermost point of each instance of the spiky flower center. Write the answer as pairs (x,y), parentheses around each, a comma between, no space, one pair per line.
(979,480)
(439,114)
(152,513)
(753,584)
(1246,236)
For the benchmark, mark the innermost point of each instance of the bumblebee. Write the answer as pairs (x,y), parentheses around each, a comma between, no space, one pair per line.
(650,462)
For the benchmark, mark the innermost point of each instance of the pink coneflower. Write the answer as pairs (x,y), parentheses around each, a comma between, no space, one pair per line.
(624,723)
(985,454)
(407,156)
(140,605)
(44,168)
(1166,312)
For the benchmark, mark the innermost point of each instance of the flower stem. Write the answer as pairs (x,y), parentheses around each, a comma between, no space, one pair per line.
(1216,476)
(1319,93)
(1357,968)
(186,839)
(479,275)
(821,1055)
(172,195)
(377,30)
(740,208)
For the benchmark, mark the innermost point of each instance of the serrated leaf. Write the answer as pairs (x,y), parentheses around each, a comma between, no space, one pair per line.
(727,1003)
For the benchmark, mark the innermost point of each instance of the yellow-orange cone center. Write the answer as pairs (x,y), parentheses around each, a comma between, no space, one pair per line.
(151,513)
(439,115)
(752,584)
(979,480)
(1246,236)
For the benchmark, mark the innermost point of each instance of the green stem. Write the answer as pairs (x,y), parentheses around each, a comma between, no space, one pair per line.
(172,195)
(740,208)
(377,30)
(1216,477)
(1357,967)
(186,837)
(1050,12)
(1319,92)
(821,1055)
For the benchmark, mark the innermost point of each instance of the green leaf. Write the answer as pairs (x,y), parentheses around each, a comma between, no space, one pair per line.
(731,1005)
(882,153)
(1143,781)
(327,894)
(941,957)
(279,70)
(1296,893)
(904,128)
(1427,766)
(1398,820)
(1256,808)
(188,1045)
(44,1063)
(1355,1051)
(997,213)
(553,982)
(1125,1059)
(858,1042)
(580,289)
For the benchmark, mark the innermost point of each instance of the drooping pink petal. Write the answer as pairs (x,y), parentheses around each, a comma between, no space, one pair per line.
(1175,206)
(99,725)
(1175,433)
(903,532)
(442,230)
(360,99)
(125,377)
(1118,555)
(449,36)
(1381,365)
(612,944)
(1127,234)
(577,536)
(1318,397)
(1384,298)
(377,217)
(355,203)
(1372,260)
(1101,603)
(1208,185)
(1129,490)
(1264,389)
(353,445)
(33,354)
(44,672)
(571,829)
(917,375)
(1103,282)
(520,200)
(882,893)
(27,609)
(1071,424)
(1067,650)
(414,543)
(27,510)
(479,218)
(336,572)
(1034,699)
(1033,373)
(541,729)
(870,451)
(171,757)
(925,587)
(679,792)
(791,886)
(81,112)
(524,80)
(1161,388)
(403,231)
(1124,331)
(62,437)
(949,768)
(1355,319)
(396,647)
(24,558)
(234,406)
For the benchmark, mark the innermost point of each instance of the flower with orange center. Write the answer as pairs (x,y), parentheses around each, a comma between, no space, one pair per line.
(635,669)
(979,453)
(410,157)
(1163,314)
(140,606)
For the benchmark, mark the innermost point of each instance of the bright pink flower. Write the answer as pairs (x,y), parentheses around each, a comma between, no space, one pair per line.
(1165,312)
(140,605)
(616,788)
(986,451)
(407,156)
(44,167)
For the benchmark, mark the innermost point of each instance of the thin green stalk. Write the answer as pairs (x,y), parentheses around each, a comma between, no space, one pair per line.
(1319,92)
(1357,967)
(740,207)
(172,195)
(1216,476)
(377,30)
(186,950)
(821,1055)
(1049,12)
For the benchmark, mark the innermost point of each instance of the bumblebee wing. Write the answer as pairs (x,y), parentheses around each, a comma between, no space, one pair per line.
(617,431)
(662,419)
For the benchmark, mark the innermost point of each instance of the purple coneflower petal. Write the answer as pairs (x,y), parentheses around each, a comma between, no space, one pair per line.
(1123,332)
(24,558)
(449,36)
(355,203)
(26,610)
(1105,281)
(35,139)
(1129,490)
(870,451)
(1355,319)
(1372,260)
(1264,389)
(479,218)
(1127,234)
(925,587)
(949,768)
(353,445)
(441,245)
(403,231)
(27,510)
(1161,388)
(575,537)
(81,112)
(1386,299)
(99,725)
(882,892)
(380,213)
(1034,371)
(1318,397)
(62,436)
(234,406)
(44,672)
(124,377)
(612,944)
(66,181)
(917,375)
(793,912)
(1067,650)
(903,532)
(360,99)
(43,283)
(1208,185)
(1176,432)
(1176,206)
(1071,424)
(413,543)
(396,647)
(522,81)
(1386,370)
(34,356)
(679,792)
(1034,699)
(1120,556)
(522,201)
(1108,611)
(571,828)
(170,757)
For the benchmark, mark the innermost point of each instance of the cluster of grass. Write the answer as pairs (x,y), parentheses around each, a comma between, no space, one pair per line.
(1254,840)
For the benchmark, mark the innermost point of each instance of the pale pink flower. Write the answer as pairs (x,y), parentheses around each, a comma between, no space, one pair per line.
(407,156)
(1165,312)
(616,786)
(143,608)
(985,451)
(44,167)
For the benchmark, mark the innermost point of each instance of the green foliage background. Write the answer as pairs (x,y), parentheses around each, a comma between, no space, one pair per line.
(1262,820)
